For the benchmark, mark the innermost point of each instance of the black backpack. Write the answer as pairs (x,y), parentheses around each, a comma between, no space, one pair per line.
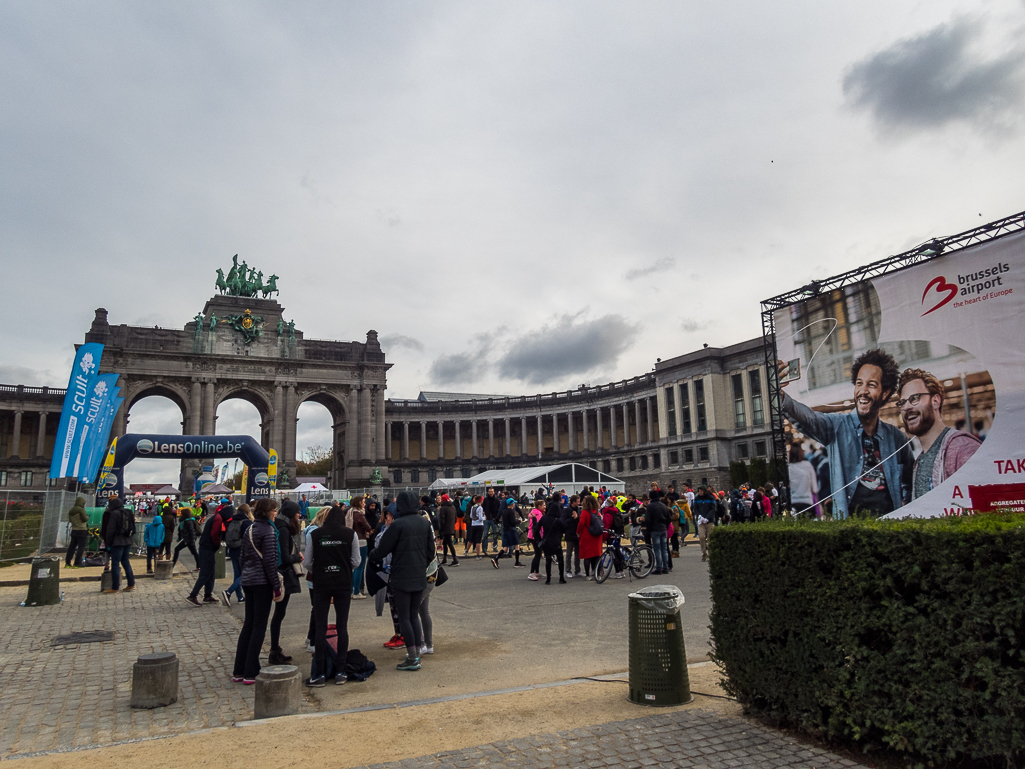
(233,535)
(596,525)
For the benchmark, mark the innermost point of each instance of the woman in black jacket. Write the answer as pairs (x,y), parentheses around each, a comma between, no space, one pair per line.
(261,584)
(552,527)
(332,554)
(410,542)
(187,533)
(287,524)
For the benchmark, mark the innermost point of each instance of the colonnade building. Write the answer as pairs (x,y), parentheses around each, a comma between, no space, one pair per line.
(683,422)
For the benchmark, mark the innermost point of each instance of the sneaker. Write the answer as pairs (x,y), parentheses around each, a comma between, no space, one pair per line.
(237,679)
(589,578)
(455,563)
(111,590)
(426,650)
(227,598)
(310,647)
(561,582)
(241,599)
(340,679)
(315,683)
(359,597)
(532,577)
(193,600)
(395,642)
(569,576)
(248,681)
(409,663)
(129,589)
(517,565)
(210,599)
(494,562)
(621,575)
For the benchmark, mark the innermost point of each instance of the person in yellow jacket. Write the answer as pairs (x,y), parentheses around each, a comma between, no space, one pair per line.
(682,511)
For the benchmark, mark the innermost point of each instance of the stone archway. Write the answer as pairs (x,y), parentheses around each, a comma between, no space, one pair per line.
(242,346)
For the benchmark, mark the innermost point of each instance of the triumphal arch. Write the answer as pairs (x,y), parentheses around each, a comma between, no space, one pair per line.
(242,346)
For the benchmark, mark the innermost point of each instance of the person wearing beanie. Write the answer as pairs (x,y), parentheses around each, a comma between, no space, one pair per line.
(410,543)
(510,534)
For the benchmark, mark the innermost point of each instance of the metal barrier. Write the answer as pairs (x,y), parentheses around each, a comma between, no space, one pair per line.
(21,523)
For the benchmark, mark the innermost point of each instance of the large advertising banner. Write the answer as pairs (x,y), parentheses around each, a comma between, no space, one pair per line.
(906,392)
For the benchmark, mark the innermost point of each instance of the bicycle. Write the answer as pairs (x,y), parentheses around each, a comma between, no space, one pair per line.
(639,561)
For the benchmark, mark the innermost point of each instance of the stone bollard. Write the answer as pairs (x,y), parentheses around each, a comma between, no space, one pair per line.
(155,680)
(106,581)
(219,562)
(277,692)
(163,570)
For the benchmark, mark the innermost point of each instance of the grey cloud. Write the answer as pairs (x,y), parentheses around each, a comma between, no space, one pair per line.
(659,265)
(568,346)
(401,340)
(460,367)
(12,374)
(690,324)
(936,78)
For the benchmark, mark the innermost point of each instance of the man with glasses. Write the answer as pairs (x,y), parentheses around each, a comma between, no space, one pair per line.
(944,449)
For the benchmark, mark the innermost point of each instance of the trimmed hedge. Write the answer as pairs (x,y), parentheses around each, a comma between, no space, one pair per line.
(903,633)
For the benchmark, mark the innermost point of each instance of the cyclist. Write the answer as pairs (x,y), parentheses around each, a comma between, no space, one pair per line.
(614,526)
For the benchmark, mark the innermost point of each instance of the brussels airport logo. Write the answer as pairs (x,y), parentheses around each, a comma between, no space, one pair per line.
(973,286)
(144,446)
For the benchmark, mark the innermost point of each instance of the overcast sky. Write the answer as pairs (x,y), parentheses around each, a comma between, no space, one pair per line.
(520,197)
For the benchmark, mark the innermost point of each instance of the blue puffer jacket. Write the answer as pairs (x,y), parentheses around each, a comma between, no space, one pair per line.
(154,533)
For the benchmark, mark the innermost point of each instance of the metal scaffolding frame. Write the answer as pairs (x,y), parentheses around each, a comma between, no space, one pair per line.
(918,255)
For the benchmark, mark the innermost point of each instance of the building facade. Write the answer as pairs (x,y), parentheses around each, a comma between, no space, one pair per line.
(29,417)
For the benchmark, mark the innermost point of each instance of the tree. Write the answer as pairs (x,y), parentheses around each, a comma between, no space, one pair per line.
(738,473)
(759,472)
(315,461)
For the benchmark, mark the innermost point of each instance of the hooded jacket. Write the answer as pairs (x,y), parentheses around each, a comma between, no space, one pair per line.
(570,525)
(118,516)
(410,542)
(78,516)
(447,518)
(169,521)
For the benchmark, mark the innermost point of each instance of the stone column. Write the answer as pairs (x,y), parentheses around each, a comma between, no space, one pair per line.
(491,438)
(459,441)
(555,433)
(651,418)
(209,410)
(523,436)
(599,441)
(540,436)
(572,433)
(637,418)
(405,440)
(378,410)
(473,436)
(587,429)
(16,436)
(290,424)
(366,433)
(441,441)
(351,427)
(277,429)
(196,408)
(423,440)
(508,438)
(41,438)
(612,427)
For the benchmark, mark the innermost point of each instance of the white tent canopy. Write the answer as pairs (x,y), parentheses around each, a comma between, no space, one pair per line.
(571,476)
(448,483)
(309,488)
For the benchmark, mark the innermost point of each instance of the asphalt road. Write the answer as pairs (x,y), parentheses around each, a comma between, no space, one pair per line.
(495,629)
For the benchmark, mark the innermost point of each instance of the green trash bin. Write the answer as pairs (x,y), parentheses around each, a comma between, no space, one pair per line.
(44,582)
(658,657)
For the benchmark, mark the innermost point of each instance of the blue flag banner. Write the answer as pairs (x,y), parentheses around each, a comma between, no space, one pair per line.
(98,421)
(80,385)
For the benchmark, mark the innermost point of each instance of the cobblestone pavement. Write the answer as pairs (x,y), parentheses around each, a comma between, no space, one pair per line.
(68,696)
(695,739)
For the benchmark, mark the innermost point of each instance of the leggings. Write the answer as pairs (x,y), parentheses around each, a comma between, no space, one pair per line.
(164,550)
(311,634)
(275,623)
(535,562)
(591,565)
(182,544)
(407,606)
(250,640)
(425,616)
(321,606)
(556,553)
(446,546)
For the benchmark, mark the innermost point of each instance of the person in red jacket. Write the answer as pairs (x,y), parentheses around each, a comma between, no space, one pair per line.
(590,546)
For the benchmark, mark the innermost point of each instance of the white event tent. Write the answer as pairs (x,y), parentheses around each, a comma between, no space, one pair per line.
(571,476)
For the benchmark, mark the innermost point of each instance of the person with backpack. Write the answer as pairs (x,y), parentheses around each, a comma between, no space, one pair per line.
(510,516)
(704,508)
(234,531)
(550,529)
(570,519)
(118,535)
(591,531)
(188,532)
(316,523)
(209,544)
(332,554)
(476,526)
(153,536)
(615,526)
(261,584)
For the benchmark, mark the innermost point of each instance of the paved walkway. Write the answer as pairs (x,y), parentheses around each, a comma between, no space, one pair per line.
(56,697)
(690,739)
